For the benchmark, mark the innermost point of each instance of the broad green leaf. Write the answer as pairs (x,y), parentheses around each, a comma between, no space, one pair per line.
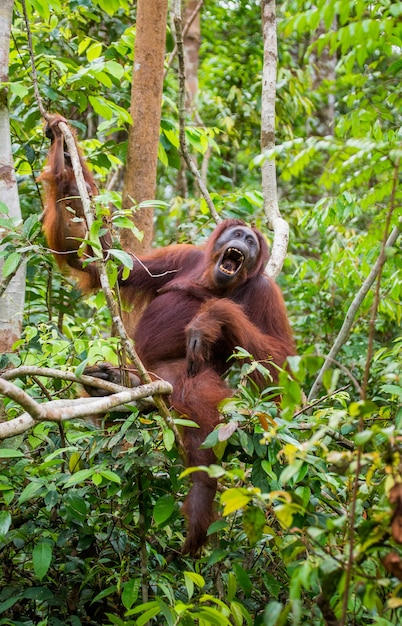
(8,453)
(76,507)
(272,613)
(30,491)
(163,509)
(97,479)
(101,107)
(243,578)
(123,257)
(234,499)
(11,264)
(110,476)
(41,556)
(253,521)
(130,592)
(94,51)
(168,438)
(79,477)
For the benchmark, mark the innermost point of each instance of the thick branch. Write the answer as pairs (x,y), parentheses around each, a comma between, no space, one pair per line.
(268,170)
(61,410)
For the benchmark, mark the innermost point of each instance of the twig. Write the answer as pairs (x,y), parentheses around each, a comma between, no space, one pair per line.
(34,75)
(184,32)
(340,439)
(309,406)
(268,170)
(382,258)
(352,518)
(181,106)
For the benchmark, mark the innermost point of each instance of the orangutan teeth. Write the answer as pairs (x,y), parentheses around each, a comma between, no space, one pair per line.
(232,261)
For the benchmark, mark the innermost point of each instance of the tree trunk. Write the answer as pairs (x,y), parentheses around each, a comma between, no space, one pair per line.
(191,44)
(12,300)
(146,98)
(268,171)
(324,65)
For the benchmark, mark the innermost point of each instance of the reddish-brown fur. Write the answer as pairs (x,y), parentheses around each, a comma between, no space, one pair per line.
(63,220)
(189,328)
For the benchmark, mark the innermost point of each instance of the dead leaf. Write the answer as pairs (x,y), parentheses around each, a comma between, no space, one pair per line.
(226,430)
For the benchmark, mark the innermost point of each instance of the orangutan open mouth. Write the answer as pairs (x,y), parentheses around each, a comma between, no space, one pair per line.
(232,261)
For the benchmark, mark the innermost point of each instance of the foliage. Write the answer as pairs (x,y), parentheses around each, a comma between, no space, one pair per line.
(90,526)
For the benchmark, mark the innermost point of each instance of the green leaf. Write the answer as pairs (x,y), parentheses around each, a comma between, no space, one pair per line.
(8,453)
(168,438)
(163,509)
(130,592)
(211,440)
(234,499)
(191,578)
(110,476)
(41,556)
(243,578)
(363,437)
(253,522)
(11,263)
(272,584)
(19,89)
(94,51)
(123,257)
(213,616)
(30,491)
(115,69)
(79,477)
(101,107)
(394,390)
(76,507)
(272,613)
(5,522)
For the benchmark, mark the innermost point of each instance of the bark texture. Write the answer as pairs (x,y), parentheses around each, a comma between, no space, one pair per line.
(12,300)
(146,98)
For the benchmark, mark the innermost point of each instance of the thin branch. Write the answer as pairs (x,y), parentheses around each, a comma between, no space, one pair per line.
(105,285)
(374,309)
(34,75)
(307,407)
(352,519)
(268,170)
(184,32)
(181,106)
(353,308)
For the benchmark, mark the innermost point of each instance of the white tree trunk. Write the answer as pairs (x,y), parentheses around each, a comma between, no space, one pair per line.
(12,300)
(268,97)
